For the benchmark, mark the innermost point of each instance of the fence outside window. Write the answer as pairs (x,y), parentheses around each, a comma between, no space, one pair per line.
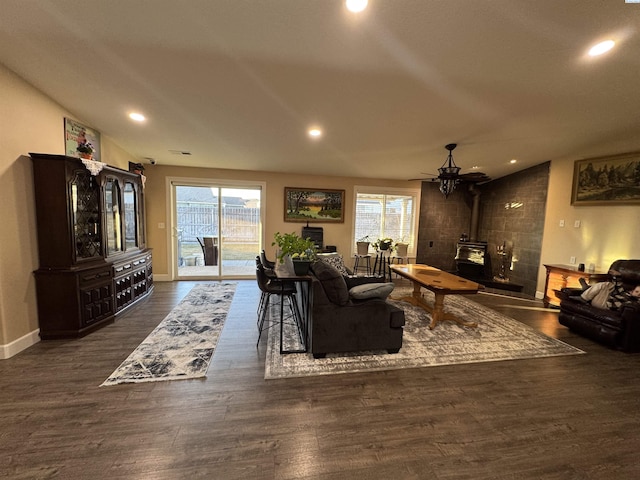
(240,227)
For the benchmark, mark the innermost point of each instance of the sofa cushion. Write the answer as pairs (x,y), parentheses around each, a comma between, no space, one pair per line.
(336,260)
(332,281)
(371,290)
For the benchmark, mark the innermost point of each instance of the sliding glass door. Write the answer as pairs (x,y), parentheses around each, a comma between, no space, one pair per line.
(217,230)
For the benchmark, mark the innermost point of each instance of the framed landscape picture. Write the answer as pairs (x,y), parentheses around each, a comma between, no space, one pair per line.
(613,180)
(313,205)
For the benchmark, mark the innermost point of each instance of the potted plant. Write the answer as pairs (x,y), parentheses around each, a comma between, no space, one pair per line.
(362,245)
(384,244)
(402,249)
(85,149)
(301,251)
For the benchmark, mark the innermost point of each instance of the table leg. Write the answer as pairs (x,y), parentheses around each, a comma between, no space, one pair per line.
(436,310)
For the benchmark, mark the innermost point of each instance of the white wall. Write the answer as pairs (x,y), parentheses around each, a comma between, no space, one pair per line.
(29,122)
(606,233)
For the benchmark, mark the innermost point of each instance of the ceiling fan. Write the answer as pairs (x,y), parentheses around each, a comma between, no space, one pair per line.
(449,174)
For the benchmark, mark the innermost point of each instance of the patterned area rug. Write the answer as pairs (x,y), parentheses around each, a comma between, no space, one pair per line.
(497,337)
(182,345)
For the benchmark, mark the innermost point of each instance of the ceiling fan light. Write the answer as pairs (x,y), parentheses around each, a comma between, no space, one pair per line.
(447,186)
(449,173)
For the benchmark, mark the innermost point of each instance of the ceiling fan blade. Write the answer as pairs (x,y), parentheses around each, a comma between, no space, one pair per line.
(430,179)
(427,176)
(475,177)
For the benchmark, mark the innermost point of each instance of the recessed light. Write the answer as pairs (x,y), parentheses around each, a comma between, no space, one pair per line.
(138,117)
(513,160)
(601,48)
(315,132)
(356,6)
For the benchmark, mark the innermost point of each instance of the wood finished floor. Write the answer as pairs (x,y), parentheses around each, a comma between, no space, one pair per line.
(573,417)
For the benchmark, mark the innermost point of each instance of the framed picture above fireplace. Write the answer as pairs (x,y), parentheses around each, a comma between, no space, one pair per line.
(313,205)
(612,180)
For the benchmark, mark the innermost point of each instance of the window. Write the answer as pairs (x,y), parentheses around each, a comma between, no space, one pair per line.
(380,213)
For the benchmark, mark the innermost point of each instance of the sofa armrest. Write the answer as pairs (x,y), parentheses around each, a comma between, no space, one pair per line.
(630,313)
(565,293)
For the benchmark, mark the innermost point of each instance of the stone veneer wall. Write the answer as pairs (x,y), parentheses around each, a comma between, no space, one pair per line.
(442,221)
(512,211)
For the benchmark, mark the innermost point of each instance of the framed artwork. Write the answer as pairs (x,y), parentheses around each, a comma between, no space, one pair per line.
(313,205)
(612,180)
(75,133)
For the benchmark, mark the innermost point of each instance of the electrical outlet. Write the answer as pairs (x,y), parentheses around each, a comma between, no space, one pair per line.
(562,223)
(161,225)
(572,260)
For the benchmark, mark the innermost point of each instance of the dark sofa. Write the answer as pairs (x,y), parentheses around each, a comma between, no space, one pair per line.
(619,329)
(341,323)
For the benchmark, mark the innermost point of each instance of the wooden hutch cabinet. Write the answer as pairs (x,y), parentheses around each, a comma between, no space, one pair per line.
(91,244)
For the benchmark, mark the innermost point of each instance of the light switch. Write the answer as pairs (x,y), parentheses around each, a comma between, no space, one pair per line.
(161,225)
(562,223)
(576,224)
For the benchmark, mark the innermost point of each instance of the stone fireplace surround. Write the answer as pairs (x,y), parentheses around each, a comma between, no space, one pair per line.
(510,209)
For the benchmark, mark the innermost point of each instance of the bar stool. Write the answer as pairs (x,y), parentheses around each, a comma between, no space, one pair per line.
(366,259)
(269,287)
(401,255)
(382,265)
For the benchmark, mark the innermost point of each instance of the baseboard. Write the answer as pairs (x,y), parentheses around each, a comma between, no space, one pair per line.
(539,295)
(15,347)
(162,277)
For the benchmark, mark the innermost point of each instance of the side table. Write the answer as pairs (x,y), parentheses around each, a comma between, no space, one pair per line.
(561,276)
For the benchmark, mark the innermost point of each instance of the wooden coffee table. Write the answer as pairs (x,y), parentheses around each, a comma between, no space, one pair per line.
(441,284)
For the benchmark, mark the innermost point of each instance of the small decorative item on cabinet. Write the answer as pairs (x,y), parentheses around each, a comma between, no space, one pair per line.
(85,149)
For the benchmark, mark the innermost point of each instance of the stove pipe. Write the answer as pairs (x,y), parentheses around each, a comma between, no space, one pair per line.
(475,212)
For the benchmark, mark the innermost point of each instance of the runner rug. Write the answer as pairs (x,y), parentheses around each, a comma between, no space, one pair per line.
(497,337)
(182,345)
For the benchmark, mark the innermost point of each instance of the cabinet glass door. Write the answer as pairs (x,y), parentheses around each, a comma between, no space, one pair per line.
(86,215)
(130,217)
(113,220)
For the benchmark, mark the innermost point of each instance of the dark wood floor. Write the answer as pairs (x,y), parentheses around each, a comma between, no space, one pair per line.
(574,417)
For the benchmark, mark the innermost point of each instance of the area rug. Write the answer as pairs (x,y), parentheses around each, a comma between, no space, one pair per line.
(182,345)
(497,337)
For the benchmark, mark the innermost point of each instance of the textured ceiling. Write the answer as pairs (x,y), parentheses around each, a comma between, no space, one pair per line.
(237,83)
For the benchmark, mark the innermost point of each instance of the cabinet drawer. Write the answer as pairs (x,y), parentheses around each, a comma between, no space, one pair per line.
(94,276)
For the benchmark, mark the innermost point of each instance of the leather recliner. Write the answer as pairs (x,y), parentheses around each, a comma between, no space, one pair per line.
(619,329)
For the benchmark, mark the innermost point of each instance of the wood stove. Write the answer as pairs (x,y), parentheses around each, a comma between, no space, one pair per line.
(471,259)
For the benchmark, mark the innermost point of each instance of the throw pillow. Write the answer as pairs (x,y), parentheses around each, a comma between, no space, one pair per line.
(371,290)
(332,282)
(336,260)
